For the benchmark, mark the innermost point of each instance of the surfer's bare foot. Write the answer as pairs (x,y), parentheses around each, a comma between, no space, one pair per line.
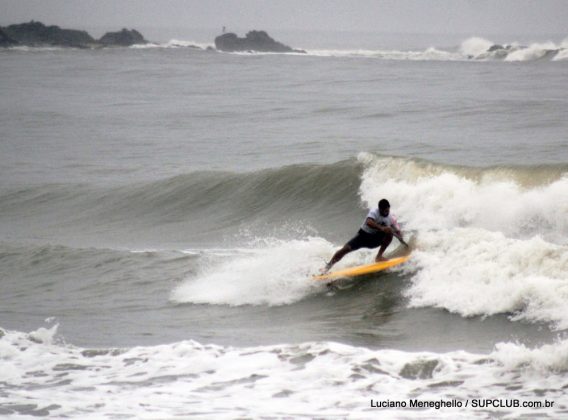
(380,258)
(326,268)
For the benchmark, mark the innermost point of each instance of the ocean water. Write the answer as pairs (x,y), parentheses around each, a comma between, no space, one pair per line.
(162,210)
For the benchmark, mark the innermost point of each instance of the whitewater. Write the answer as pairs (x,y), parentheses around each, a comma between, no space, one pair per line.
(162,211)
(471,49)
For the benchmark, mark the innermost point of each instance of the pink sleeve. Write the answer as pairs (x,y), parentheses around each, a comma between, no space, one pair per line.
(395,223)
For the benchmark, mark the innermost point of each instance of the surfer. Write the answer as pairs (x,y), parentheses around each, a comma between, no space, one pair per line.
(377,231)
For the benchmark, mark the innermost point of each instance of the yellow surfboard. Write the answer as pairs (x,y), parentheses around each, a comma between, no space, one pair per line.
(362,269)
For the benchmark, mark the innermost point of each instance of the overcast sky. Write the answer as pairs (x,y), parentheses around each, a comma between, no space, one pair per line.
(533,17)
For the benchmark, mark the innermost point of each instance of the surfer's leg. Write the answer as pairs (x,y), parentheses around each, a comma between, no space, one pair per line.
(387,238)
(338,256)
(354,244)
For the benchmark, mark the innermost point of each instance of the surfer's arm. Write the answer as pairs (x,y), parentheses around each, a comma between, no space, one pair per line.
(373,224)
(398,233)
(395,229)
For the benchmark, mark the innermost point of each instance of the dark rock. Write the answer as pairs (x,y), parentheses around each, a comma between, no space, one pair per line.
(36,34)
(6,41)
(124,38)
(253,41)
(495,47)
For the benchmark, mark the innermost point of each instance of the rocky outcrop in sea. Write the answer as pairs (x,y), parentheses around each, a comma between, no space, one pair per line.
(36,34)
(258,41)
(124,38)
(5,40)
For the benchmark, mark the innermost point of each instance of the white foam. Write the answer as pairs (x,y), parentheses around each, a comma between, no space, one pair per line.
(45,335)
(478,48)
(475,46)
(310,379)
(433,197)
(535,51)
(561,55)
(430,54)
(25,48)
(549,358)
(476,272)
(179,43)
(175,43)
(486,245)
(273,272)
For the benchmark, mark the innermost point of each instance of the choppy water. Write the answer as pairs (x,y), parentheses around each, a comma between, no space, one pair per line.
(162,210)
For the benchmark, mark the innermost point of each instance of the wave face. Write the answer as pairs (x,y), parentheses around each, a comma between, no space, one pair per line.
(517,201)
(488,241)
(209,205)
(315,378)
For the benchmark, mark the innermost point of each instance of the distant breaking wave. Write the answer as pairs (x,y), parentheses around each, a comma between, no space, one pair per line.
(475,48)
(483,49)
(176,43)
(430,54)
(472,49)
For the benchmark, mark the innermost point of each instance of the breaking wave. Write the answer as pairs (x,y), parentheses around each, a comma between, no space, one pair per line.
(488,240)
(313,378)
(471,49)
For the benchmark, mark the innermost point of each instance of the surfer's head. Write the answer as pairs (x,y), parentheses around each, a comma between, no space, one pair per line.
(384,207)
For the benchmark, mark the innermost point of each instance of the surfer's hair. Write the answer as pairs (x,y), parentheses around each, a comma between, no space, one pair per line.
(384,204)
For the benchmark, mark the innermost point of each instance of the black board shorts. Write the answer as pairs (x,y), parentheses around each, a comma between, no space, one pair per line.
(366,240)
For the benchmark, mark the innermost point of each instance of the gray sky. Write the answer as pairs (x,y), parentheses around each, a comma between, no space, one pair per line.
(479,17)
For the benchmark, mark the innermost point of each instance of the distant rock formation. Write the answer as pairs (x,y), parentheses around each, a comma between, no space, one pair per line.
(253,41)
(5,40)
(495,47)
(499,51)
(36,34)
(124,38)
